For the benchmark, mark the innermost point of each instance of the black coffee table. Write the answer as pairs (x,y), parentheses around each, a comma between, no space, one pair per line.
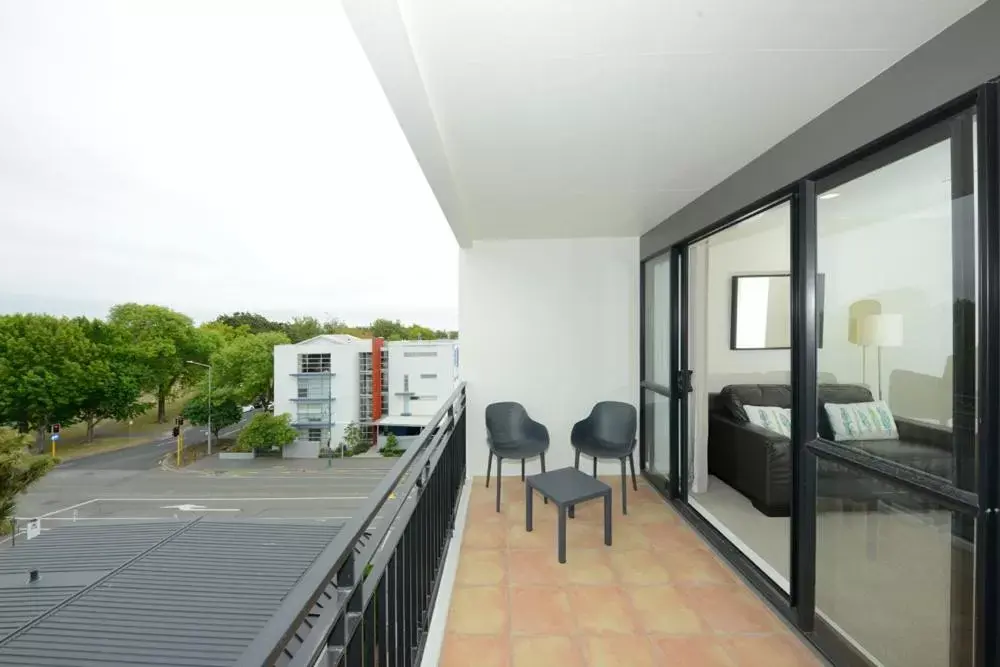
(567,487)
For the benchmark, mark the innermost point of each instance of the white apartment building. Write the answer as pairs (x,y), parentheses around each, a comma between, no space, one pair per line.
(327,382)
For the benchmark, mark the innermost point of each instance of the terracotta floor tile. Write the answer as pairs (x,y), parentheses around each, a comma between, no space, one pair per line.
(704,651)
(480,650)
(620,651)
(638,566)
(540,610)
(730,609)
(481,567)
(652,512)
(770,651)
(661,610)
(535,566)
(601,610)
(542,536)
(478,610)
(697,567)
(589,566)
(672,537)
(629,536)
(583,535)
(485,535)
(544,652)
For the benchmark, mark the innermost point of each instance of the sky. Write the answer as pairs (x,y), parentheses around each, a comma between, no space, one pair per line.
(211,156)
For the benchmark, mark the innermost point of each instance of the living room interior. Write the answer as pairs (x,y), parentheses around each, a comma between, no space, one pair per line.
(886,322)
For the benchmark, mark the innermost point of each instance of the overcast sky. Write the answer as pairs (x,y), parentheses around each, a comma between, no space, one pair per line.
(212,156)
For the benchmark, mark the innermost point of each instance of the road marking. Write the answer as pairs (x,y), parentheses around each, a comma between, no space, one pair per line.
(47,515)
(170,518)
(196,508)
(208,500)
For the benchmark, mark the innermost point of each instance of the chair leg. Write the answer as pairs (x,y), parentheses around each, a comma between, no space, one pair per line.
(595,466)
(489,468)
(522,470)
(624,489)
(631,464)
(543,472)
(576,460)
(499,463)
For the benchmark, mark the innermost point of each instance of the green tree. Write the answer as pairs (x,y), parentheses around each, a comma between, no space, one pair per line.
(44,366)
(162,340)
(265,431)
(18,470)
(391,447)
(253,322)
(113,377)
(245,367)
(303,328)
(354,440)
(388,329)
(225,411)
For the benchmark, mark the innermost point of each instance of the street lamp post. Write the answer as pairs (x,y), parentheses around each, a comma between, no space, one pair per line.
(209,367)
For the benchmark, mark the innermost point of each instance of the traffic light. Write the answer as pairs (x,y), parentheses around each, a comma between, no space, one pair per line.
(177,431)
(55,428)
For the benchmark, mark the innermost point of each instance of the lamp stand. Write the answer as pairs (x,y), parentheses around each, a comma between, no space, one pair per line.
(878,352)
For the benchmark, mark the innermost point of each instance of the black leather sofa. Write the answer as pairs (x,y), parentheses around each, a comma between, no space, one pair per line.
(757,462)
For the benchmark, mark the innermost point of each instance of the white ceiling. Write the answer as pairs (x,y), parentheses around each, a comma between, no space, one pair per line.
(600,117)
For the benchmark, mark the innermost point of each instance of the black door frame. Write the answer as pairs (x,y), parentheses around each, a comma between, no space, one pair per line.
(979,376)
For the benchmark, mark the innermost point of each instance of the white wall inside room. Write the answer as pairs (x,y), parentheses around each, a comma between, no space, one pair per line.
(758,246)
(553,325)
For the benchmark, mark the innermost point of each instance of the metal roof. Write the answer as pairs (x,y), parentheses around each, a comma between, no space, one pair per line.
(190,594)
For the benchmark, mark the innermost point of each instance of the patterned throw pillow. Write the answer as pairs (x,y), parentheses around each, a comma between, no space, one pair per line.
(770,417)
(861,421)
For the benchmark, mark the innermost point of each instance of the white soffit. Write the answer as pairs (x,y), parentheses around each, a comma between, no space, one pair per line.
(602,118)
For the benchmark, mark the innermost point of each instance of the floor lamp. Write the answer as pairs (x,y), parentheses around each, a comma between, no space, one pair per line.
(882,330)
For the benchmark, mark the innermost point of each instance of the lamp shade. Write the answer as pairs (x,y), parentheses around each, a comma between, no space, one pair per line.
(883,330)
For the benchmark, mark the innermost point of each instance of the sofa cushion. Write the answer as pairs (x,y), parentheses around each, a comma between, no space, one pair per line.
(838,393)
(735,396)
(861,421)
(770,417)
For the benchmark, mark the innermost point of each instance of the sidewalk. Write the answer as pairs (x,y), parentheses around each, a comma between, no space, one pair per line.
(215,464)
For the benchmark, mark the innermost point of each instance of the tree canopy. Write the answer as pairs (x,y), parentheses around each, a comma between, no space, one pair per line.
(265,431)
(45,371)
(18,471)
(162,341)
(225,411)
(244,367)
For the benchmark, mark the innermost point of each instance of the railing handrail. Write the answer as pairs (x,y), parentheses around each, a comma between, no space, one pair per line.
(274,636)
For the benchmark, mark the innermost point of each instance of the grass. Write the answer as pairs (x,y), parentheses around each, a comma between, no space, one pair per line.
(110,436)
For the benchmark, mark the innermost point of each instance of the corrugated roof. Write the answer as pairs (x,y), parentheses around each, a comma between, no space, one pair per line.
(196,599)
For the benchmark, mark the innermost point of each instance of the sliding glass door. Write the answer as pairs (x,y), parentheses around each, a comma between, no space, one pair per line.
(657,348)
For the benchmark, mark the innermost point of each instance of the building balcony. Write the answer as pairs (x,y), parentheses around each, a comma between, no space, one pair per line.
(657,597)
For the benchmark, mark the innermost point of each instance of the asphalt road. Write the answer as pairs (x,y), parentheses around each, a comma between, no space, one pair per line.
(147,456)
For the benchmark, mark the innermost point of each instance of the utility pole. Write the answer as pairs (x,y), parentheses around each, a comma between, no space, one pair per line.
(209,367)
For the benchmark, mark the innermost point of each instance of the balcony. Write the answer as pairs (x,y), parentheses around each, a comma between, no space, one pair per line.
(442,578)
(658,596)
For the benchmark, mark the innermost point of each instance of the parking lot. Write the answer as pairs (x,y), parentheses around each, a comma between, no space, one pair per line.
(289,491)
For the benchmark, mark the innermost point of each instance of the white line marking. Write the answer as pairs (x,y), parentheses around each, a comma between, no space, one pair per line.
(206,500)
(171,518)
(66,509)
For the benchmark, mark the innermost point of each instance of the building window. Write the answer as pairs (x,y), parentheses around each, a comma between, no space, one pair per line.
(314,387)
(314,412)
(422,353)
(315,435)
(428,376)
(314,363)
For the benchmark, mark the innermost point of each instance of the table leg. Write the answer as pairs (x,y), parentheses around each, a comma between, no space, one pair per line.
(562,535)
(607,518)
(572,511)
(528,508)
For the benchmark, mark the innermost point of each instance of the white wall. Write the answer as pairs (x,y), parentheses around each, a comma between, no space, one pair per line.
(762,248)
(433,392)
(553,325)
(344,386)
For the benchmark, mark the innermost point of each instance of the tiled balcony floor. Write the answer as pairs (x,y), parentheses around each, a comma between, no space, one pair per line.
(657,597)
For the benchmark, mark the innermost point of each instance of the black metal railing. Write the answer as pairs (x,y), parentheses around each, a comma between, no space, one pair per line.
(367,600)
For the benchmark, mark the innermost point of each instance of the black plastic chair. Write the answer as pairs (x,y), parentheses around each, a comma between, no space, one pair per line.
(512,434)
(608,433)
